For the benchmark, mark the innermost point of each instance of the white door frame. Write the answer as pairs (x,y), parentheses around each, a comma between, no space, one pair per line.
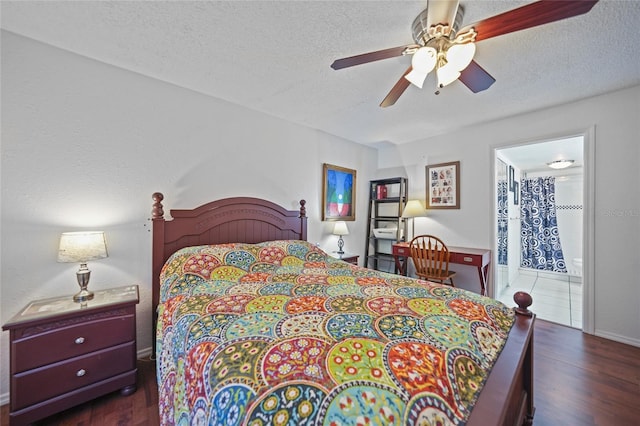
(588,219)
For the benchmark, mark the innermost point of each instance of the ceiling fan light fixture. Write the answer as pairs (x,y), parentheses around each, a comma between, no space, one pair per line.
(455,59)
(416,78)
(439,27)
(422,63)
(560,164)
(461,55)
(447,75)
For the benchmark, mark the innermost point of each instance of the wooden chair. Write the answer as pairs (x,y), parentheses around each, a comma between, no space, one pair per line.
(431,259)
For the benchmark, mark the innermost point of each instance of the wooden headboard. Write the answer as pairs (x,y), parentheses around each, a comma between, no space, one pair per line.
(230,220)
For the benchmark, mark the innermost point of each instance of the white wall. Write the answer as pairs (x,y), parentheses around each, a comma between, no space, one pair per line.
(615,117)
(84,145)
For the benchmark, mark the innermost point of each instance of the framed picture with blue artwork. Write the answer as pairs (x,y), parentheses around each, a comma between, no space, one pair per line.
(338,193)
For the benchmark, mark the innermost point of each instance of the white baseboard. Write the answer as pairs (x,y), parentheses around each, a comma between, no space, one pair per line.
(142,353)
(618,338)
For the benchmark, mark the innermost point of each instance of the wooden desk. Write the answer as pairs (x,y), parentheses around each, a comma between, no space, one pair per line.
(480,258)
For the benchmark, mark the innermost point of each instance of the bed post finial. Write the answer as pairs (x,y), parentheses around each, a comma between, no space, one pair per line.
(157,212)
(303,209)
(523,300)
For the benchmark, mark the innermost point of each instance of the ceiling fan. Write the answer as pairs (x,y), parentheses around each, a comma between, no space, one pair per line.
(442,45)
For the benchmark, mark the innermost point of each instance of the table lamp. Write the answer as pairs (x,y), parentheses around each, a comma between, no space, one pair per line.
(81,247)
(340,229)
(413,209)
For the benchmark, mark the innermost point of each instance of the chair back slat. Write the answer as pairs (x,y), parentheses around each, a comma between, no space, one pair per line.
(430,257)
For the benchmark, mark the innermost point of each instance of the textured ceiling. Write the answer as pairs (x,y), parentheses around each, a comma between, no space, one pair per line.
(274,57)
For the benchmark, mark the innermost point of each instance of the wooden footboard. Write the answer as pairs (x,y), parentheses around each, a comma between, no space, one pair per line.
(507,396)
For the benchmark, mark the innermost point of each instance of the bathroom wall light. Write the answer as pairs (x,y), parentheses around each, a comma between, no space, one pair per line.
(560,164)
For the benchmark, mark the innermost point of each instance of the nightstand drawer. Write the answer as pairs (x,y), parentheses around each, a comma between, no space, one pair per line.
(56,379)
(67,341)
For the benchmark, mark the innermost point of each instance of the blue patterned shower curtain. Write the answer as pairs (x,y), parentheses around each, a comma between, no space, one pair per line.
(503,222)
(540,240)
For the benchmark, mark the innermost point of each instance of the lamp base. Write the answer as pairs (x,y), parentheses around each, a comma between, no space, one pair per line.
(83,276)
(83,295)
(340,245)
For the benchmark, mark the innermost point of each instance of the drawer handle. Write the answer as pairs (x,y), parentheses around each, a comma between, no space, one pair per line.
(79,340)
(468,259)
(81,372)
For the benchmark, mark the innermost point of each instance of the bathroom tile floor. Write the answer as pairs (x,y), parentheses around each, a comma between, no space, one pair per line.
(555,299)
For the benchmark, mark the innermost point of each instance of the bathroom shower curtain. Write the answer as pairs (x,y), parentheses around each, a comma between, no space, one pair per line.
(540,240)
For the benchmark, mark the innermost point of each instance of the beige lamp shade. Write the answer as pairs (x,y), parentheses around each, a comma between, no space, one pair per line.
(340,228)
(81,247)
(414,209)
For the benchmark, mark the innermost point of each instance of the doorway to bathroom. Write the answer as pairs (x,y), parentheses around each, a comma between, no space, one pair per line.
(539,227)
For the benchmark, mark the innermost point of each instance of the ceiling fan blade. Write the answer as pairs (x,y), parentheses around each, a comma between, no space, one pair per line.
(441,12)
(371,56)
(528,16)
(476,78)
(396,91)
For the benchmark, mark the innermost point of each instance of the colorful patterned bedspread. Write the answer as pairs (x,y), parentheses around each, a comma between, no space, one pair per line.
(280,333)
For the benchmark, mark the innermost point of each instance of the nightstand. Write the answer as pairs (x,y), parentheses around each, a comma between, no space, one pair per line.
(347,257)
(65,353)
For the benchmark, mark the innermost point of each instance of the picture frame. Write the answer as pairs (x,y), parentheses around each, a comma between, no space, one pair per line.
(512,180)
(338,193)
(516,193)
(443,185)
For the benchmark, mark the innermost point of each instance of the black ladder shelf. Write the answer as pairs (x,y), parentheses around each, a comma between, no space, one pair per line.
(385,225)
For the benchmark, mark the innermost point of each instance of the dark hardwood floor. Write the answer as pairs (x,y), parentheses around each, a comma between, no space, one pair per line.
(137,409)
(579,380)
(584,380)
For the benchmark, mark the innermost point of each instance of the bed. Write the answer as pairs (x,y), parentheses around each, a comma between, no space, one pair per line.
(254,325)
